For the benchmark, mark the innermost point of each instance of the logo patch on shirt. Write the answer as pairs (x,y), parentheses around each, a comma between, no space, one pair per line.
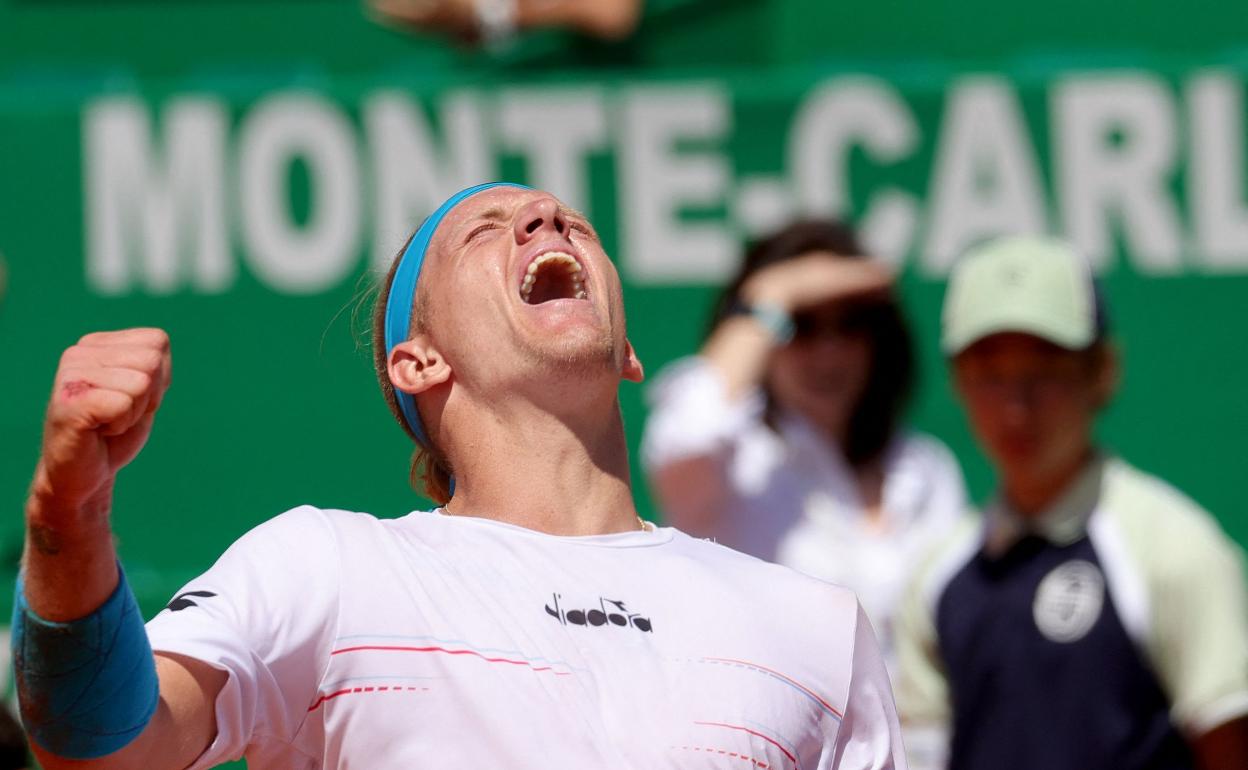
(1069,600)
(609,612)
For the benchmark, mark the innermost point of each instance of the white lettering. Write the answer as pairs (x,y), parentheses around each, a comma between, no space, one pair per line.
(151,215)
(854,112)
(657,183)
(412,174)
(986,181)
(1116,147)
(1215,177)
(289,257)
(762,205)
(556,130)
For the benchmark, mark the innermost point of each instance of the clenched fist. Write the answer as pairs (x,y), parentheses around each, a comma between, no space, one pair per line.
(105,395)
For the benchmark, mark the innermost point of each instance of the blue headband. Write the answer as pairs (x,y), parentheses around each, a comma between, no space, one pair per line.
(403,294)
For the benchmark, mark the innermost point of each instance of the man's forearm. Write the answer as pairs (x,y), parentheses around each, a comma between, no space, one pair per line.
(70,562)
(87,681)
(1224,747)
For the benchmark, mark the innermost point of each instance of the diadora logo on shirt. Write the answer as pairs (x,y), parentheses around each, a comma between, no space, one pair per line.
(608,612)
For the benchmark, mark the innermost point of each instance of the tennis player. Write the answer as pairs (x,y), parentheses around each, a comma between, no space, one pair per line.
(532,621)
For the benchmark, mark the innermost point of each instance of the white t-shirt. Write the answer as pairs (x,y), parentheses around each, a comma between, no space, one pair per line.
(786,495)
(435,641)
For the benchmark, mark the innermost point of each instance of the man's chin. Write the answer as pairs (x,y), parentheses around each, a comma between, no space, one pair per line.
(1020,459)
(573,350)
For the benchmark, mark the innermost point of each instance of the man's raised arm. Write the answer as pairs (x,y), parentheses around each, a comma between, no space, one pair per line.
(88,684)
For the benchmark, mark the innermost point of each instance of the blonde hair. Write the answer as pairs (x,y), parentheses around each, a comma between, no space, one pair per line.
(430,472)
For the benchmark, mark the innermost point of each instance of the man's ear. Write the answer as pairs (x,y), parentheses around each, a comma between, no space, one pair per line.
(1108,373)
(633,371)
(416,365)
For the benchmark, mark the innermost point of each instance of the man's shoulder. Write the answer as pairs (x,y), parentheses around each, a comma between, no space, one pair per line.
(309,527)
(1127,484)
(309,520)
(1148,506)
(753,576)
(1166,537)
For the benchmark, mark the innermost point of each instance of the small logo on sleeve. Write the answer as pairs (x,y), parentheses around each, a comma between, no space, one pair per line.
(609,612)
(1069,601)
(181,602)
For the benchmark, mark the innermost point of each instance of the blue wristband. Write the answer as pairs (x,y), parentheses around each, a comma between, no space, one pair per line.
(88,687)
(776,320)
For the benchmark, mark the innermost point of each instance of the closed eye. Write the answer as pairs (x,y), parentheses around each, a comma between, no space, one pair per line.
(583,228)
(479,229)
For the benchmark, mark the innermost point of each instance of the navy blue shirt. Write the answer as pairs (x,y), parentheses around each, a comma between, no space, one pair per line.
(1099,634)
(1024,700)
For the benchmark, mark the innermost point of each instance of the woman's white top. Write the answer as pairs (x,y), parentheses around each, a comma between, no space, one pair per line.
(787,495)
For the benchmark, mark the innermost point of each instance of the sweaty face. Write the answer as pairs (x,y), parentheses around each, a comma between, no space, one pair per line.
(516,281)
(1031,404)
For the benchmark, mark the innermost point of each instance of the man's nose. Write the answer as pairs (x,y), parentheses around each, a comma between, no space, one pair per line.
(540,217)
(1018,405)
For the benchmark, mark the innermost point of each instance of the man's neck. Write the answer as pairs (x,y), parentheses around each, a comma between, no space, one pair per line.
(1031,494)
(559,474)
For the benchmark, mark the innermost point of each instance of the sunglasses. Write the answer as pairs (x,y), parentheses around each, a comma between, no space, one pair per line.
(843,321)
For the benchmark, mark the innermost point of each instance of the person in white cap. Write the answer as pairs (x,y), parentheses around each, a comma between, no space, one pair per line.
(532,621)
(1095,617)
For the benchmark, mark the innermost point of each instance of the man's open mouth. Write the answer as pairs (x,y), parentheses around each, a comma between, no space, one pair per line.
(553,275)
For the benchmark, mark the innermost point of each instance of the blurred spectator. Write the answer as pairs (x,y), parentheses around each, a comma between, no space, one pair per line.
(1096,617)
(781,439)
(497,20)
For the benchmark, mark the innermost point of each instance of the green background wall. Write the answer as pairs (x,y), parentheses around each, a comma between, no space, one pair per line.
(274,403)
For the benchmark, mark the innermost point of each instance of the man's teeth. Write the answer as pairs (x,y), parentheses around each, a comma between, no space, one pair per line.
(555,258)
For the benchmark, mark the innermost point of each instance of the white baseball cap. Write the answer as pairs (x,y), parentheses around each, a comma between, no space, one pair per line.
(1029,284)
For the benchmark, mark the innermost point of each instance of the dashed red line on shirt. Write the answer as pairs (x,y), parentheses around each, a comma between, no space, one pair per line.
(360,690)
(724,752)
